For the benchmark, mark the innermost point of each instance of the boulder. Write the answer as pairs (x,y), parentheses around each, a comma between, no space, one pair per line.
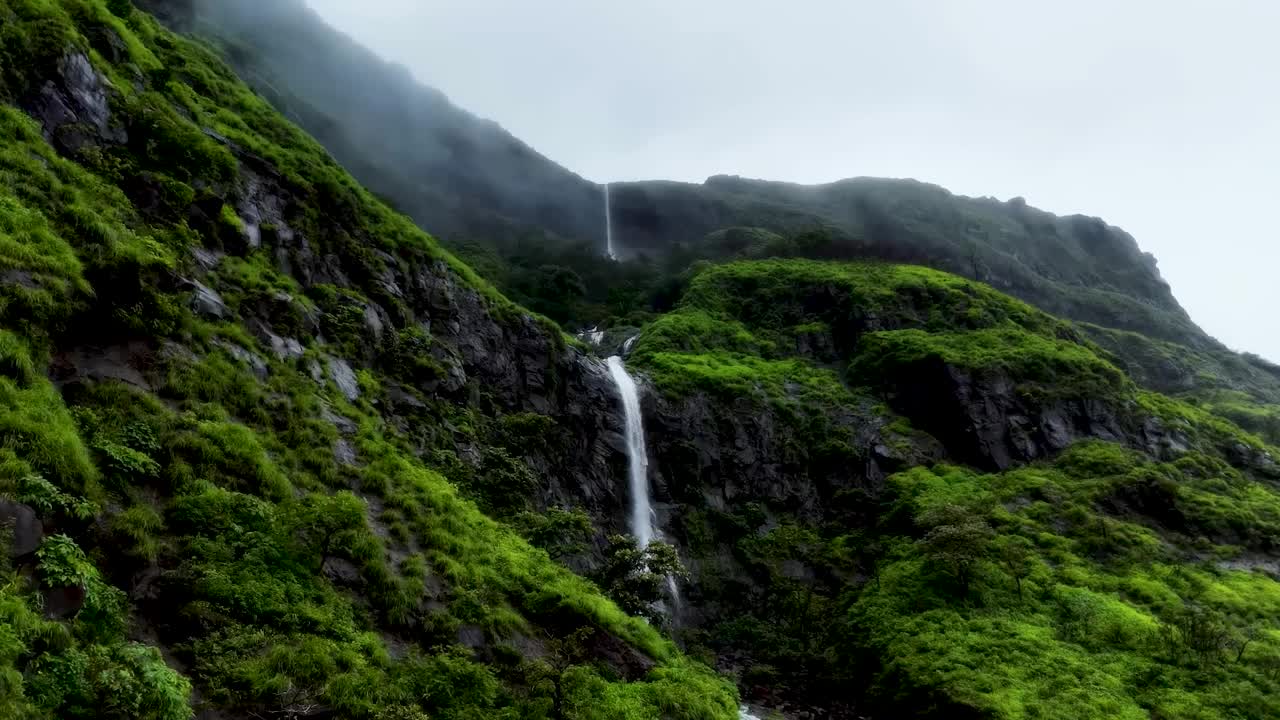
(345,378)
(206,301)
(340,572)
(61,603)
(72,106)
(285,348)
(248,357)
(23,527)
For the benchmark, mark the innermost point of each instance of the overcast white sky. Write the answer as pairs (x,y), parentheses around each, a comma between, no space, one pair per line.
(1162,117)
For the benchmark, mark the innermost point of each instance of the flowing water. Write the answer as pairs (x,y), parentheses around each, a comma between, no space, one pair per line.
(637,456)
(608,224)
(643,526)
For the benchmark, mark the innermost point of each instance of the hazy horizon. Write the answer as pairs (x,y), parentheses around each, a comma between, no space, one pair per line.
(1154,118)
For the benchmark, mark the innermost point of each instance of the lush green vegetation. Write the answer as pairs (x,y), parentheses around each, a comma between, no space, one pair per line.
(1099,586)
(219,515)
(1039,364)
(1177,369)
(230,513)
(779,325)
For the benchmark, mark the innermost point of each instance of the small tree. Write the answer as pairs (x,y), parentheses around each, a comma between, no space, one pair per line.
(1251,633)
(633,576)
(1197,633)
(1014,554)
(558,531)
(957,540)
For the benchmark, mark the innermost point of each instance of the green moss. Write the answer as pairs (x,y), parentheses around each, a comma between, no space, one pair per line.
(788,293)
(1039,364)
(231,219)
(1092,624)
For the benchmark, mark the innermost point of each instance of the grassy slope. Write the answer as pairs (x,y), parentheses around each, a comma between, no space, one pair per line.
(226,484)
(1101,584)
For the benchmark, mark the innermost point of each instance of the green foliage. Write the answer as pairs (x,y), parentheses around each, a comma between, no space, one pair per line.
(47,500)
(120,681)
(1070,613)
(634,576)
(741,326)
(957,540)
(35,424)
(558,531)
(1212,372)
(1040,365)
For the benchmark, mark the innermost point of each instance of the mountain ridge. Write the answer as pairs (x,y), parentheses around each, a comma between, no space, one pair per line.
(501,202)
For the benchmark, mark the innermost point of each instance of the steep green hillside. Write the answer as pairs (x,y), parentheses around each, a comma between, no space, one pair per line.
(819,428)
(230,382)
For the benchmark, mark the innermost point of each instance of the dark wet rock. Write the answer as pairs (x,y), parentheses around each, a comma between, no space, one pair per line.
(342,423)
(345,378)
(261,204)
(72,106)
(316,372)
(344,452)
(255,362)
(206,301)
(61,603)
(626,661)
(471,636)
(983,418)
(285,348)
(124,363)
(402,399)
(206,259)
(373,322)
(22,528)
(21,278)
(341,572)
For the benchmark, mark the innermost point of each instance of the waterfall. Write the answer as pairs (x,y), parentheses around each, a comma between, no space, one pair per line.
(608,224)
(642,516)
(744,714)
(638,458)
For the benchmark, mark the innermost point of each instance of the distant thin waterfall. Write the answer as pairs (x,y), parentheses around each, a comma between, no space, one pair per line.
(608,224)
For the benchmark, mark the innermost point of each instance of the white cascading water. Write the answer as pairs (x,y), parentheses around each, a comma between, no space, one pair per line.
(643,526)
(642,515)
(608,224)
(637,456)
